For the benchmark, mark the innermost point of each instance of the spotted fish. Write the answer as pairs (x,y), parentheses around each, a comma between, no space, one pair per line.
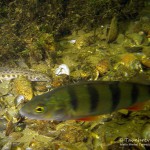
(83,100)
(12,73)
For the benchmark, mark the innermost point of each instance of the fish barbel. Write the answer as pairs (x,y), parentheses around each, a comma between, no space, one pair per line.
(81,100)
(12,73)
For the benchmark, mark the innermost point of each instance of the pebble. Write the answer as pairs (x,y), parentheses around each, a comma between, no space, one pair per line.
(146,62)
(23,87)
(62,69)
(19,99)
(103,66)
(136,38)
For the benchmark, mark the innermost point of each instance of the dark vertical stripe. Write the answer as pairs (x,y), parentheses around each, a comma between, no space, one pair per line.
(134,93)
(73,98)
(116,94)
(93,97)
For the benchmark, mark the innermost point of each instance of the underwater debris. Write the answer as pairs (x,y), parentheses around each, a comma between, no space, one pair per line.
(72,41)
(81,74)
(32,139)
(142,25)
(72,132)
(9,127)
(136,38)
(103,66)
(62,69)
(113,31)
(81,42)
(47,43)
(130,61)
(133,42)
(41,86)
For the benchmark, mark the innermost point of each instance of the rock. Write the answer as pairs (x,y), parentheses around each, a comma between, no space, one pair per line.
(146,62)
(103,66)
(120,38)
(23,87)
(136,38)
(133,42)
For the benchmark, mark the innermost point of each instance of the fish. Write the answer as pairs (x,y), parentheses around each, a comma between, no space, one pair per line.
(84,100)
(12,73)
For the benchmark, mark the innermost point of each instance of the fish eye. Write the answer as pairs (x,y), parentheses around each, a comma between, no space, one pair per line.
(39,109)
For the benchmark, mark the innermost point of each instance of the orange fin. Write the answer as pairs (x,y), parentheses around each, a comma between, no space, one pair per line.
(89,118)
(137,106)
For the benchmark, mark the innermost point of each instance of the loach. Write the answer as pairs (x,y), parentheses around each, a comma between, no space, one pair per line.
(12,73)
(86,99)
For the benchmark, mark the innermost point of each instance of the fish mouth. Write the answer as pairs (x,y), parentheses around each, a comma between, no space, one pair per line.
(29,115)
(24,114)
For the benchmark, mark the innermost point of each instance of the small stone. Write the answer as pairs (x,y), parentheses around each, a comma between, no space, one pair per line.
(146,62)
(103,66)
(23,87)
(120,39)
(123,111)
(137,38)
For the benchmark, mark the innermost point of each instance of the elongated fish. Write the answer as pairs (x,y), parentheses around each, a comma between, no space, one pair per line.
(12,73)
(81,100)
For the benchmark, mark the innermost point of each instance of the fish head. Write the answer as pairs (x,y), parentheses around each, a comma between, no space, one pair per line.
(45,107)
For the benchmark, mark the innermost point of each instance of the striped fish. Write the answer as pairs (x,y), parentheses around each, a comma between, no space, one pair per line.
(81,100)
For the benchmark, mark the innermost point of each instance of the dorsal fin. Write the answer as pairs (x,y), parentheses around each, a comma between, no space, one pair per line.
(141,79)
